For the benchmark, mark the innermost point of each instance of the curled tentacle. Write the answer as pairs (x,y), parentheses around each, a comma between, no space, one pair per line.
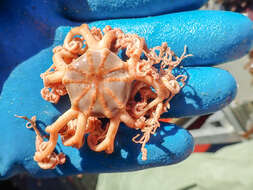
(97,33)
(49,96)
(68,130)
(76,46)
(97,136)
(53,159)
(54,94)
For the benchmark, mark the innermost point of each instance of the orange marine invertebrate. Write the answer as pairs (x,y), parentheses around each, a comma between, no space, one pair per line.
(101,85)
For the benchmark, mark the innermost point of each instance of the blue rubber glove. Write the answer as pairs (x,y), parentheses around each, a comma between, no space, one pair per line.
(31,29)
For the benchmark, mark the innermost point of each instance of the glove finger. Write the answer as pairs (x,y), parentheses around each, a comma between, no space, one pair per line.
(97,9)
(207,90)
(213,37)
(171,144)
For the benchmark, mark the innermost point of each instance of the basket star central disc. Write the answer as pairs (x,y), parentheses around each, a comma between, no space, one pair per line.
(97,83)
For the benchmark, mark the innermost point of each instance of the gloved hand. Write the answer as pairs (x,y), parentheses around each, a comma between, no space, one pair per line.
(31,29)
